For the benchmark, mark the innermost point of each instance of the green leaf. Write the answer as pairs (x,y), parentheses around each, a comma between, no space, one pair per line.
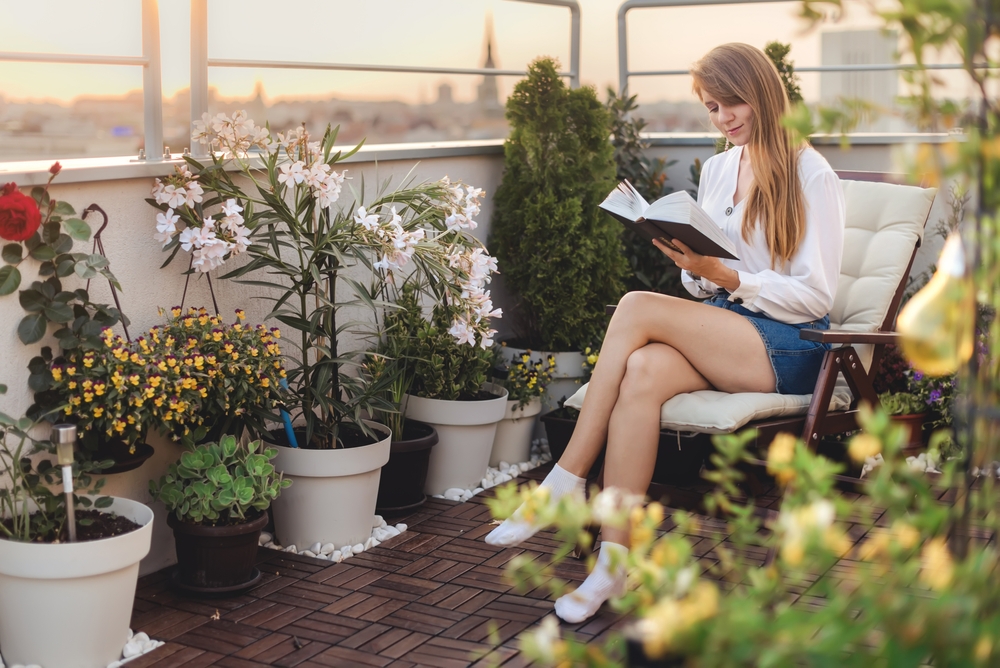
(32,300)
(10,280)
(59,313)
(50,232)
(78,229)
(63,244)
(12,253)
(64,209)
(32,328)
(43,252)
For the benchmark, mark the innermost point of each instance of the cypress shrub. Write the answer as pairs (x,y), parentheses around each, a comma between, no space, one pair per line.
(559,254)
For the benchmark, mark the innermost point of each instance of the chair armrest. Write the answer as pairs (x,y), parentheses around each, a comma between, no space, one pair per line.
(610,309)
(841,336)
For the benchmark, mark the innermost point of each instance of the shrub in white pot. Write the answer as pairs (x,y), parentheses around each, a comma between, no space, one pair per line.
(63,603)
(314,257)
(526,380)
(448,389)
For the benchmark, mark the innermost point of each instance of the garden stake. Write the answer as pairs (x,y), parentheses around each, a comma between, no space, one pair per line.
(99,246)
(64,436)
(287,419)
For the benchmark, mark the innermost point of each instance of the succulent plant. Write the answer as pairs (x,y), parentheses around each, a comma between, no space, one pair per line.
(219,483)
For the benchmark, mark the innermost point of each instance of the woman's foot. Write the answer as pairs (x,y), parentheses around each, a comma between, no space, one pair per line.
(607,580)
(515,529)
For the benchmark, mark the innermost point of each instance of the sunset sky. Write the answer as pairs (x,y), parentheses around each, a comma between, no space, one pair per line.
(411,32)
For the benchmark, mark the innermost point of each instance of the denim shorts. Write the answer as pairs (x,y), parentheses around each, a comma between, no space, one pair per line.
(796,362)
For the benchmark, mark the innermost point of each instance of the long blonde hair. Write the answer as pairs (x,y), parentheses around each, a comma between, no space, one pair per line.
(739,73)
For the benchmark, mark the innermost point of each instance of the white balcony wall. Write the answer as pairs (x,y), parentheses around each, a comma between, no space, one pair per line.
(136,258)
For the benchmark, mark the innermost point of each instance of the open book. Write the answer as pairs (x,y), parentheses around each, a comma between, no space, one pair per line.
(676,216)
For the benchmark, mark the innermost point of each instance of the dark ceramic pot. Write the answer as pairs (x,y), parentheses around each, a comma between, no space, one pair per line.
(216,559)
(915,424)
(119,452)
(401,486)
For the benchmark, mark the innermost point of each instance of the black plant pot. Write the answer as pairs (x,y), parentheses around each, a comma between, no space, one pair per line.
(401,486)
(636,657)
(216,559)
(678,459)
(118,451)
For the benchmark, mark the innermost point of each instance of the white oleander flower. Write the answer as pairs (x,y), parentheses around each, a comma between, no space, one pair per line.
(166,226)
(232,208)
(369,221)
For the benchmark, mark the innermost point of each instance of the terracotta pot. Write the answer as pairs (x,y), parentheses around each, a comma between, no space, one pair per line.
(70,605)
(404,475)
(216,559)
(333,493)
(915,424)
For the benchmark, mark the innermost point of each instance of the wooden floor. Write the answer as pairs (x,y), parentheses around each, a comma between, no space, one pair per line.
(435,595)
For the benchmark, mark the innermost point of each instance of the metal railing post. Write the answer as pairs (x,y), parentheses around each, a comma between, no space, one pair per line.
(152,92)
(574,35)
(199,69)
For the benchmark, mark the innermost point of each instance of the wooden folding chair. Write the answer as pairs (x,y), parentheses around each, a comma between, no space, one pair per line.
(884,228)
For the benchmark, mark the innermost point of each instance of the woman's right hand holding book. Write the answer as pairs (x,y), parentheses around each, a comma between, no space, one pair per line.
(710,268)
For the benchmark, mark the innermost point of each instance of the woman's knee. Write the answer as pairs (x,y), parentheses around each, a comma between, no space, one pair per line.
(642,374)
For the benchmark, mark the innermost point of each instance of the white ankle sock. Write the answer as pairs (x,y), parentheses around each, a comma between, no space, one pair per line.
(515,530)
(606,580)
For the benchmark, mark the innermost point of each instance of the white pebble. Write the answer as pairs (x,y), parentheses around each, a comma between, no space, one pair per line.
(328,549)
(477,490)
(336,557)
(132,648)
(379,534)
(113,664)
(292,549)
(378,522)
(358,548)
(368,543)
(453,492)
(525,466)
(347,551)
(346,555)
(308,553)
(129,636)
(265,537)
(140,637)
(375,542)
(504,466)
(391,531)
(466,495)
(400,527)
(148,646)
(316,548)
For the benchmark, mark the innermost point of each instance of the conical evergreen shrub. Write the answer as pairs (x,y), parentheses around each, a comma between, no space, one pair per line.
(559,254)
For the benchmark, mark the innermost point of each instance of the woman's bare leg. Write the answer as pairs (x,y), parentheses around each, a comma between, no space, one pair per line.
(721,346)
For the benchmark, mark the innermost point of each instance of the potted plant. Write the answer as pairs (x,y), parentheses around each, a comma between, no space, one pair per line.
(561,255)
(118,391)
(63,603)
(239,369)
(448,389)
(312,258)
(217,496)
(909,410)
(525,380)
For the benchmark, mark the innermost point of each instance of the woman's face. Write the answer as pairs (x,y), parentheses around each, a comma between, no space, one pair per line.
(734,122)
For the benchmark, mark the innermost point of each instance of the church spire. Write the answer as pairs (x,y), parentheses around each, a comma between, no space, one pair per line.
(488,95)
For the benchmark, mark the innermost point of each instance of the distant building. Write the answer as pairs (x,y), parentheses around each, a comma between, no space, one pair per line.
(880,87)
(445,94)
(487,94)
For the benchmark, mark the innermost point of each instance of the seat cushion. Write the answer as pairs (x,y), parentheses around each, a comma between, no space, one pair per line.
(713,412)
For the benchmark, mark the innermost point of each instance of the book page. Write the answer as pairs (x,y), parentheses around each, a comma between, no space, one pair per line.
(680,207)
(625,201)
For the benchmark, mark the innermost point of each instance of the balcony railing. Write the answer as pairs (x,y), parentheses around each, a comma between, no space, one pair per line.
(200,62)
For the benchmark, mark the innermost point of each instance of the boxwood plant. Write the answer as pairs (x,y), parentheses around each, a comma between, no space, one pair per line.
(220,483)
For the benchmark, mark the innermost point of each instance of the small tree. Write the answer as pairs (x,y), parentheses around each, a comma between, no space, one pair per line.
(561,255)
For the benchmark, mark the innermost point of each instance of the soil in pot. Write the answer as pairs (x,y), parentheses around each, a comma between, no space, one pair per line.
(401,487)
(350,436)
(216,559)
(97,525)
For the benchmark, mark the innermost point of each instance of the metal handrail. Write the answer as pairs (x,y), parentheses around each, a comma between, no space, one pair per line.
(200,62)
(624,73)
(152,94)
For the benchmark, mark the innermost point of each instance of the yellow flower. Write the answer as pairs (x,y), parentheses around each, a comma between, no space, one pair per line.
(264,382)
(88,361)
(905,535)
(240,314)
(864,446)
(119,426)
(176,311)
(779,457)
(188,322)
(87,384)
(134,379)
(99,389)
(88,396)
(57,374)
(592,360)
(936,564)
(203,320)
(71,371)
(71,385)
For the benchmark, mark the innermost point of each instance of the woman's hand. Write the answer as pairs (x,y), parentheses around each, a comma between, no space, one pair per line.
(705,266)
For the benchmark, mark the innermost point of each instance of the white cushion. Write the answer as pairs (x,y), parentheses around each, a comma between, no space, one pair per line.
(712,412)
(884,222)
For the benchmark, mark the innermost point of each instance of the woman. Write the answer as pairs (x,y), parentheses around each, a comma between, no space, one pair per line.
(782,205)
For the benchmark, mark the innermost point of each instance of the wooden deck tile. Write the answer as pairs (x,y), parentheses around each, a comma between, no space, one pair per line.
(435,596)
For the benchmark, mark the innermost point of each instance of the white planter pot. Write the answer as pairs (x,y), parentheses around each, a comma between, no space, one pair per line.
(69,605)
(512,443)
(566,378)
(333,493)
(465,437)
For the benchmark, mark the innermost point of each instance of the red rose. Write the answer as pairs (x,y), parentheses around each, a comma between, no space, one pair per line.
(19,215)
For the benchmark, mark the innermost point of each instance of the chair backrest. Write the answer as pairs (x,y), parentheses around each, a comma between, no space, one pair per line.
(885,224)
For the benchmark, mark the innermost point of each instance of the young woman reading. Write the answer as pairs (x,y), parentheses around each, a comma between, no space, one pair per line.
(782,205)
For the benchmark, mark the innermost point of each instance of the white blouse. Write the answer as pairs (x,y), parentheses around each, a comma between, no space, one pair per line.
(798,291)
